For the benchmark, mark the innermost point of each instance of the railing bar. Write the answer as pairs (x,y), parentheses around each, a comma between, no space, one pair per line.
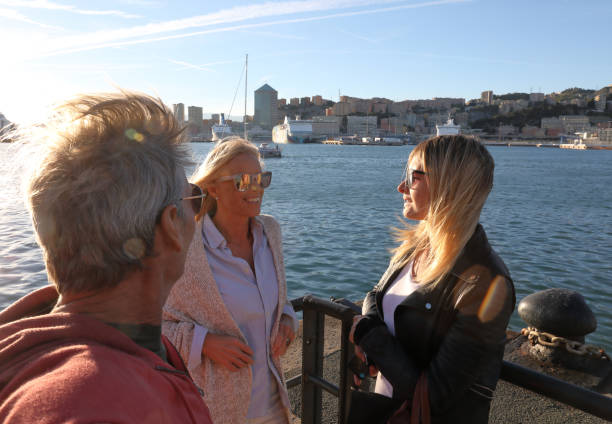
(324,384)
(559,390)
(294,381)
(327,307)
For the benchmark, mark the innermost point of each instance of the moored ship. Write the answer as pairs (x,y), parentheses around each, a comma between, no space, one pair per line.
(450,128)
(221,129)
(293,131)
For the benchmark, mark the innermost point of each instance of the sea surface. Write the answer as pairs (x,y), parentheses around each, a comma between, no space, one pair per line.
(549,217)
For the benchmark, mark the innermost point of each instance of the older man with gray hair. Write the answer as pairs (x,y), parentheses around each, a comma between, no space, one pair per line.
(114,216)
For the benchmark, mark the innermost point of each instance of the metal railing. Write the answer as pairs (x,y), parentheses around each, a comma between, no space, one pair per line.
(314,312)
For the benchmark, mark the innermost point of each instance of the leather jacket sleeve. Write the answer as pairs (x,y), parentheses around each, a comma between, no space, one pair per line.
(471,347)
(371,317)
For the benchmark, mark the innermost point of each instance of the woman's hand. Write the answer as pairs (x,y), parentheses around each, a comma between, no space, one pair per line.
(372,370)
(284,337)
(358,352)
(227,351)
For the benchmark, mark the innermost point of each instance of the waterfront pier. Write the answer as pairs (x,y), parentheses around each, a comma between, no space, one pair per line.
(512,403)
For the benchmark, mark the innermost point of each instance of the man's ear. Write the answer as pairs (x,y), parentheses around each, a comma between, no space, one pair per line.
(170,227)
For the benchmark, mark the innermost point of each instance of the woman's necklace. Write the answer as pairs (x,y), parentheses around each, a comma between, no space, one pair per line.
(417,264)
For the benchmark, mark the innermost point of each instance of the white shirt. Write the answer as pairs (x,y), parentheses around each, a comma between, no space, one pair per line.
(252,299)
(400,289)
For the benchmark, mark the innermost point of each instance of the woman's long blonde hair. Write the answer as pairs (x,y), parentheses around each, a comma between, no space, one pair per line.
(460,174)
(224,151)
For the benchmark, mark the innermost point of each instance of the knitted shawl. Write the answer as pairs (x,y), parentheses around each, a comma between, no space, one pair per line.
(195,299)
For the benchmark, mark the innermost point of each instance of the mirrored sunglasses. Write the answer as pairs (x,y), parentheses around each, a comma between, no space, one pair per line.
(243,182)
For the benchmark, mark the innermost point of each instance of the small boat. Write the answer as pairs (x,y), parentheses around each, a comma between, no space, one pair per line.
(267,151)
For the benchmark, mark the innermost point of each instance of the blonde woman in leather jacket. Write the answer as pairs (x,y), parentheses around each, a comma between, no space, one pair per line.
(440,311)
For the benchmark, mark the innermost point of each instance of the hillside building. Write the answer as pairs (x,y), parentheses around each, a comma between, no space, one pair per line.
(342,109)
(600,102)
(574,123)
(361,125)
(536,97)
(605,135)
(487,97)
(326,126)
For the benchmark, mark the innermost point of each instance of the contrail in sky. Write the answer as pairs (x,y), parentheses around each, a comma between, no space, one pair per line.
(49,5)
(155,32)
(16,16)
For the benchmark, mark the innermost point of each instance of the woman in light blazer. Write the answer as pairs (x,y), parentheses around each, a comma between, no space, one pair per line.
(228,315)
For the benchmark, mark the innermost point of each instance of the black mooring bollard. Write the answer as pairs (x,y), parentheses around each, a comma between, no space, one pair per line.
(558,321)
(561,312)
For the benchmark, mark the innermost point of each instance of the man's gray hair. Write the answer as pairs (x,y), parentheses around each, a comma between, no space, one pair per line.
(110,164)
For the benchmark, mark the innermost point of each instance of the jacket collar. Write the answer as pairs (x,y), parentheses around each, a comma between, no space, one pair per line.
(475,249)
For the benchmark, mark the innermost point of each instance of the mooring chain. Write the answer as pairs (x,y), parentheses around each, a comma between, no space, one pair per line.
(572,346)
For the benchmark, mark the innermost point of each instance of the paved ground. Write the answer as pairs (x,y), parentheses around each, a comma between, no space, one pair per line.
(511,404)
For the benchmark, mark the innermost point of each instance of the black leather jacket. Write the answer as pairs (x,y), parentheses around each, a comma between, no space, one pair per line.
(455,332)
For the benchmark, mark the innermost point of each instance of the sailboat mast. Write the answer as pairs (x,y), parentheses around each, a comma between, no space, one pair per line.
(246,74)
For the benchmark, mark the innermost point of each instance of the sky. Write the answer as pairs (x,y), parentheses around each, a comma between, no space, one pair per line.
(193,52)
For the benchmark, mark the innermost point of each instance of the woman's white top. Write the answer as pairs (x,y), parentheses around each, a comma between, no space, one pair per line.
(252,299)
(400,289)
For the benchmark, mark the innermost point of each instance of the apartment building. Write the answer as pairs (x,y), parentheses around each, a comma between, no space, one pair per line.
(574,123)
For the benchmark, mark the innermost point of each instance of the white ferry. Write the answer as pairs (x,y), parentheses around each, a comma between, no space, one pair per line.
(221,130)
(450,128)
(293,131)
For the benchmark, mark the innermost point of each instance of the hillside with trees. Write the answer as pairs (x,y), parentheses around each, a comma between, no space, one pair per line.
(573,93)
(529,116)
(512,96)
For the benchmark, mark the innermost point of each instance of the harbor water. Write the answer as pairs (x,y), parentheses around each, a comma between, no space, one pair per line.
(549,217)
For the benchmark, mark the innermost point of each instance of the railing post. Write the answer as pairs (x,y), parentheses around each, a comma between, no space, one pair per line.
(344,386)
(312,363)
(346,351)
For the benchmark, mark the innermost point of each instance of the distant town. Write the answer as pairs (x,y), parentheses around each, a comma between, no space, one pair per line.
(527,116)
(573,114)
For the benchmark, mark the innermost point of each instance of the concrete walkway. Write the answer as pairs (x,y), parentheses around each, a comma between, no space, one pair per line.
(511,404)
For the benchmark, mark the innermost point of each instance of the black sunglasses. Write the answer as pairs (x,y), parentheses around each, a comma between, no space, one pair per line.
(409,179)
(197,198)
